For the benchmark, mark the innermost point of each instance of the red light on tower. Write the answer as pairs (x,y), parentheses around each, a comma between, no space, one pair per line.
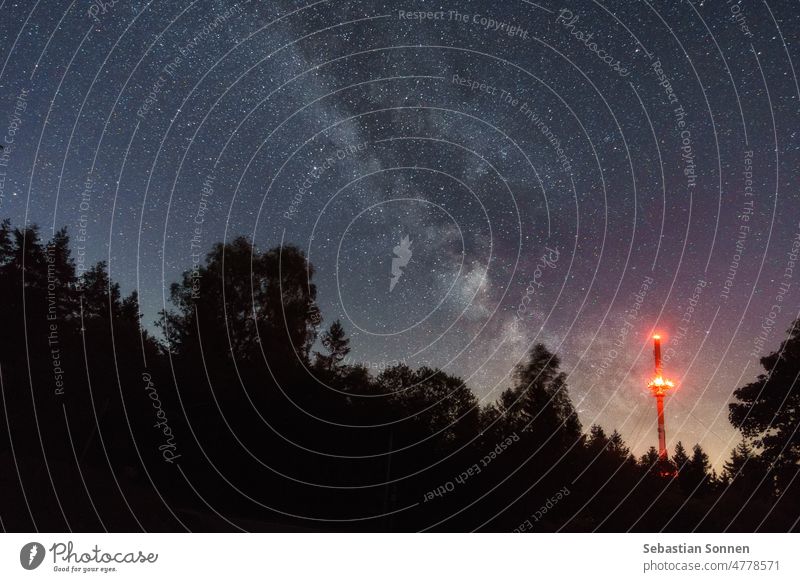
(659,387)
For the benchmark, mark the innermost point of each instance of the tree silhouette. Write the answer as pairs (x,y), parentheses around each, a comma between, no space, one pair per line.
(6,244)
(436,402)
(680,458)
(695,474)
(248,303)
(618,448)
(98,294)
(650,460)
(597,441)
(538,403)
(744,469)
(335,341)
(767,411)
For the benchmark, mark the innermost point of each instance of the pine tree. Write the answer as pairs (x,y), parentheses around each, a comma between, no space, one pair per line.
(695,475)
(28,257)
(338,345)
(6,244)
(129,309)
(617,446)
(62,282)
(745,470)
(598,441)
(99,294)
(680,458)
(740,455)
(649,460)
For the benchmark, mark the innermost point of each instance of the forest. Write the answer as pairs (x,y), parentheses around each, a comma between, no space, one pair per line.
(243,409)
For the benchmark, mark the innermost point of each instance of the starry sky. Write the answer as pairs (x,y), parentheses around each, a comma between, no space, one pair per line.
(579,174)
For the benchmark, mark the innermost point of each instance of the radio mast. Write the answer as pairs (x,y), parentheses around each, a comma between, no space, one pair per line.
(659,387)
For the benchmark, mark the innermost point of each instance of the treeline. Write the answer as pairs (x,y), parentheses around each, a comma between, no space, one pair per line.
(229,419)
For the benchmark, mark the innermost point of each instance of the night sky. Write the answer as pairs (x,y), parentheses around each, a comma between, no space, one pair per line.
(578,174)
